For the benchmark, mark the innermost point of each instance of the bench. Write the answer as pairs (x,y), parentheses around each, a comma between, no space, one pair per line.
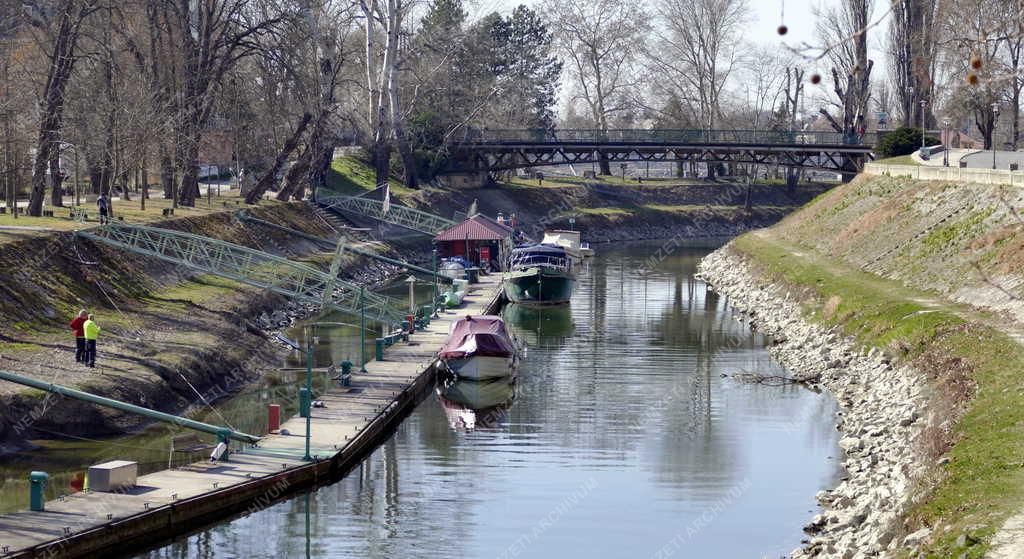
(187,444)
(167,211)
(78,214)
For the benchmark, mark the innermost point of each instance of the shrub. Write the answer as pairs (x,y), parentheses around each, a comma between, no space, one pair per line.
(903,141)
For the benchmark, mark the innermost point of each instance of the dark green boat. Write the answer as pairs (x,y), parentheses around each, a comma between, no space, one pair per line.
(539,275)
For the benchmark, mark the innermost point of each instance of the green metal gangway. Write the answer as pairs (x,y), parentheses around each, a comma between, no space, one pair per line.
(327,243)
(403,216)
(251,267)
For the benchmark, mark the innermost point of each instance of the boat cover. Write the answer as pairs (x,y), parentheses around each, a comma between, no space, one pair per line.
(483,335)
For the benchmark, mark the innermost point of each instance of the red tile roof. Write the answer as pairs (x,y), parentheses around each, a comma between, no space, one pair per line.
(477,228)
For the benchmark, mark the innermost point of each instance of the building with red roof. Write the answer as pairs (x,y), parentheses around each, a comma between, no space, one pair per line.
(479,239)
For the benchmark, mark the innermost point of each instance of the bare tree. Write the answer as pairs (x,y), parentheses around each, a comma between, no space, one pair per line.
(913,58)
(65,26)
(845,27)
(697,47)
(973,44)
(601,40)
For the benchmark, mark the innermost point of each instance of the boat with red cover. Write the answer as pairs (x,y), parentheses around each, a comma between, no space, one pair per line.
(479,347)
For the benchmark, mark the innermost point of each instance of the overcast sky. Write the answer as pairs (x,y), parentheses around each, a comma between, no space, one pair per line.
(766,15)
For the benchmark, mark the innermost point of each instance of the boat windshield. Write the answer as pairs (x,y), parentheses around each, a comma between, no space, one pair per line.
(530,257)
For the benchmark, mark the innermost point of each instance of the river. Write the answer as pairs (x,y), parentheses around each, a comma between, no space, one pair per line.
(620,437)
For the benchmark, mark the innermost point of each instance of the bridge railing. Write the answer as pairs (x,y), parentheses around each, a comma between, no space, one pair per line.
(663,136)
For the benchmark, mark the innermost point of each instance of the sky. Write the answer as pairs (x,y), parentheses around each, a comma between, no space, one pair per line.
(765,17)
(762,29)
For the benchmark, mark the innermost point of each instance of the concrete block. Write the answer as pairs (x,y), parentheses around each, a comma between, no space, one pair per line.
(112,476)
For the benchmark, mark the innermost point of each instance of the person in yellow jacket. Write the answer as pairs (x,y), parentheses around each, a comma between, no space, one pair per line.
(92,333)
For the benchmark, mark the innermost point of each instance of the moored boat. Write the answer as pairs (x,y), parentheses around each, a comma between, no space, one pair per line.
(539,275)
(568,240)
(479,347)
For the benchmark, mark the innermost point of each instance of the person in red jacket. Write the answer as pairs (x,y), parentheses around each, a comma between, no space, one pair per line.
(78,329)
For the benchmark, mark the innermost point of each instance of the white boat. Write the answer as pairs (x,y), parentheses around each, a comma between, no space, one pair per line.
(586,250)
(479,347)
(568,240)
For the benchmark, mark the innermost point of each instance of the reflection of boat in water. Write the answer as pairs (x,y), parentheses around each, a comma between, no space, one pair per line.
(539,275)
(479,347)
(539,326)
(470,404)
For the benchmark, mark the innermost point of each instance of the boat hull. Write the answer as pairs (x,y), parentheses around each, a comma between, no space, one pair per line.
(479,367)
(538,286)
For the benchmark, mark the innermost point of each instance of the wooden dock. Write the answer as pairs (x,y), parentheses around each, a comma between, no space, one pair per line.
(354,421)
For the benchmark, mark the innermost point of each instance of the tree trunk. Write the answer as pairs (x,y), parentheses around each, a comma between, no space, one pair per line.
(56,183)
(293,181)
(167,175)
(62,60)
(268,178)
(604,166)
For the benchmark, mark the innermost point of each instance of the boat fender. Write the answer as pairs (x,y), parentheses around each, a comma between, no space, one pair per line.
(218,452)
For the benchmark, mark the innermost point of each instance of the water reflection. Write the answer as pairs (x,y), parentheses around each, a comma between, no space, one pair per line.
(471,404)
(619,435)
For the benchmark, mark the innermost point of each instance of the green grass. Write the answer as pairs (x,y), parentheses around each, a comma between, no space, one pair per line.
(983,483)
(353,176)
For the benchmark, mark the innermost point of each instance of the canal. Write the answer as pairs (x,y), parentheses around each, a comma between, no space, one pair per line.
(621,436)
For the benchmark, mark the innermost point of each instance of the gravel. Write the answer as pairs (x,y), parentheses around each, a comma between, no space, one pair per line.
(879,417)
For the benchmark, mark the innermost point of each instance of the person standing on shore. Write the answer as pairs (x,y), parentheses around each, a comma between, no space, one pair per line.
(92,333)
(77,328)
(104,207)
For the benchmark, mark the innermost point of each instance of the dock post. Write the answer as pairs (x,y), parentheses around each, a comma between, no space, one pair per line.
(37,488)
(379,346)
(273,418)
(433,302)
(362,333)
(305,399)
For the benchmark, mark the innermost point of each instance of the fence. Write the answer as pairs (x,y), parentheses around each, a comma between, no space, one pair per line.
(958,174)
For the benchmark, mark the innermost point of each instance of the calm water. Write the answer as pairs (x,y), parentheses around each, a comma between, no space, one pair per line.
(619,438)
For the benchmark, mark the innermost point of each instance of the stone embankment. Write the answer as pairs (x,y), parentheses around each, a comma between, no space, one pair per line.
(881,416)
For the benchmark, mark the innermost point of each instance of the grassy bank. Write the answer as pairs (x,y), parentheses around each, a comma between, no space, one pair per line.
(975,466)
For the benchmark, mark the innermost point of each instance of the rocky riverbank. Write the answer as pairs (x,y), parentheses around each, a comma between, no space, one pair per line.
(882,415)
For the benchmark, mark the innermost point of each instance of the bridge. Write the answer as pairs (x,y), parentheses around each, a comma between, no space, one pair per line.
(395,214)
(502,150)
(251,267)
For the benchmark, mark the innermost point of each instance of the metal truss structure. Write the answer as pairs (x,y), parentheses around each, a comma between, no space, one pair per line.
(403,216)
(499,150)
(249,266)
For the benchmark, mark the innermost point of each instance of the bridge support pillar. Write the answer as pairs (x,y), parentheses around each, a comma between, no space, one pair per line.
(464,180)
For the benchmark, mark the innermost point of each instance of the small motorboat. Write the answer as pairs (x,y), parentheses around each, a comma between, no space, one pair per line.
(568,240)
(539,275)
(479,347)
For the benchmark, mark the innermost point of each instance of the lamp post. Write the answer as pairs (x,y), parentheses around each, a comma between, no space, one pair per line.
(995,118)
(433,260)
(945,142)
(306,402)
(411,280)
(623,167)
(924,103)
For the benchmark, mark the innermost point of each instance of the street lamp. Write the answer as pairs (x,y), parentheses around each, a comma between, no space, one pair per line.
(623,167)
(995,117)
(945,142)
(924,103)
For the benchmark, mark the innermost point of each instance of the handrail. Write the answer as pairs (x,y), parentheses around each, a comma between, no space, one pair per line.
(131,408)
(664,136)
(404,216)
(248,266)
